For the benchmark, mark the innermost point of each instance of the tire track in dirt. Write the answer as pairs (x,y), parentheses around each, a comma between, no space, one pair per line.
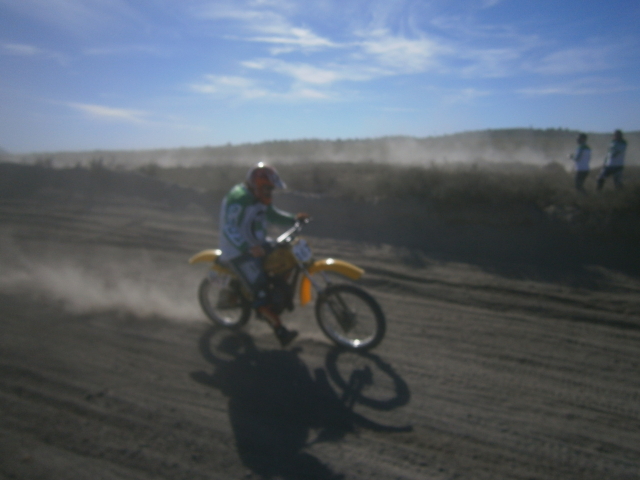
(618,310)
(104,421)
(501,384)
(498,369)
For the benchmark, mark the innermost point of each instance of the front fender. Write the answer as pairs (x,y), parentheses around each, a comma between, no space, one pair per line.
(209,256)
(205,256)
(347,269)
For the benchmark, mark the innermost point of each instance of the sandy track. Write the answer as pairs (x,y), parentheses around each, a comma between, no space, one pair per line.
(110,371)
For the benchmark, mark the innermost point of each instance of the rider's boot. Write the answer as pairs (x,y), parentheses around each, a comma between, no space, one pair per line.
(284,335)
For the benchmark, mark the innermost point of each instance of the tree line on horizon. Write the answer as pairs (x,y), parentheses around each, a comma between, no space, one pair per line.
(517,145)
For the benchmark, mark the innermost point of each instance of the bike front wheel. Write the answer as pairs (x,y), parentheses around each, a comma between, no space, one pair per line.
(350,317)
(222,301)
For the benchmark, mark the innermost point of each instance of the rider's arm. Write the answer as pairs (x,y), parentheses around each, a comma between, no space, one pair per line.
(232,228)
(233,220)
(280,217)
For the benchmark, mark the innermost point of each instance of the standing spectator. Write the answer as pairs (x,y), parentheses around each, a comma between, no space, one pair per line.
(581,157)
(614,161)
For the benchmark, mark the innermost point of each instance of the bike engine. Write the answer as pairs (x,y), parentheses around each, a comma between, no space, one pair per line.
(281,295)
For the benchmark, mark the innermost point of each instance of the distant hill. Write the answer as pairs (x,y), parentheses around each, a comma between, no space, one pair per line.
(6,156)
(522,210)
(528,146)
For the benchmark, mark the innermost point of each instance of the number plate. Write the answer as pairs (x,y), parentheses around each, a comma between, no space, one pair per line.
(302,251)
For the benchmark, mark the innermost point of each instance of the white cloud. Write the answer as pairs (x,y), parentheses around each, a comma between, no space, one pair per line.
(247,89)
(268,26)
(20,49)
(403,55)
(392,41)
(291,39)
(279,4)
(255,19)
(491,62)
(585,86)
(304,94)
(109,113)
(373,55)
(229,86)
(465,95)
(124,50)
(574,60)
(479,49)
(302,72)
(376,51)
(24,50)
(490,3)
(310,74)
(362,55)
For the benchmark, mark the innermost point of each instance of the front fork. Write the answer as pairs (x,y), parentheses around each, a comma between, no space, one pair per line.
(316,286)
(214,276)
(343,314)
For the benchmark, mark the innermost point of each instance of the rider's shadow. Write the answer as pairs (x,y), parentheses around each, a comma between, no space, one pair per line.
(274,403)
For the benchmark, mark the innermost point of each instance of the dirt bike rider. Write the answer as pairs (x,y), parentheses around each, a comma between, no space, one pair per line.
(245,214)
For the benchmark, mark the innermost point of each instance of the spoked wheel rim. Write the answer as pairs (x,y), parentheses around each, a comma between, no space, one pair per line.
(350,317)
(388,390)
(223,304)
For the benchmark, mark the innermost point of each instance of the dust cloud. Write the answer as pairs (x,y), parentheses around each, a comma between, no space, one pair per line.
(518,145)
(101,281)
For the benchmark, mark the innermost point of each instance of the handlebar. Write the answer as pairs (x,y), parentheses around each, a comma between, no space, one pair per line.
(293,232)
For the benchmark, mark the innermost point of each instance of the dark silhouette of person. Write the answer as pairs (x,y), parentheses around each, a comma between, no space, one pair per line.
(614,161)
(581,158)
(275,403)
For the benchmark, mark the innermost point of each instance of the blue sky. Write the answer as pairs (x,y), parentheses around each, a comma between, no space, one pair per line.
(123,74)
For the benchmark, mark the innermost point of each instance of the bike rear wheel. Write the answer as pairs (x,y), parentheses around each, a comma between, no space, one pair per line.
(222,301)
(350,317)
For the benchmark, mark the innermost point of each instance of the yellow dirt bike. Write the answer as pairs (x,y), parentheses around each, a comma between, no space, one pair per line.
(347,314)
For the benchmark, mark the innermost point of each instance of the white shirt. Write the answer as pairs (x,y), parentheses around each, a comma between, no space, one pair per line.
(582,157)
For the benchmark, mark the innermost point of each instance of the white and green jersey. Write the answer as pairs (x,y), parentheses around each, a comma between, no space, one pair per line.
(615,156)
(582,157)
(244,221)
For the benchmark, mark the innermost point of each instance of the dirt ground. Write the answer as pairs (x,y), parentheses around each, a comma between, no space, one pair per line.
(489,369)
